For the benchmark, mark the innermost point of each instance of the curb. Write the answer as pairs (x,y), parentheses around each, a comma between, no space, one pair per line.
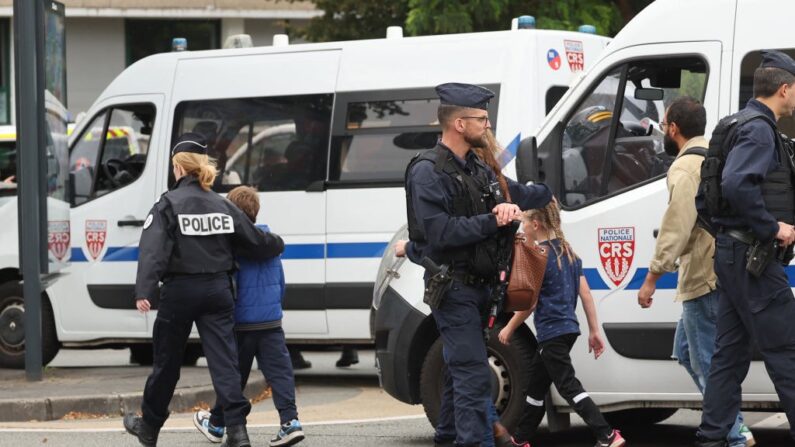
(50,409)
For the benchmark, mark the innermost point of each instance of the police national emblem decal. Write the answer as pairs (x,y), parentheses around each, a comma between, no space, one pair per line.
(58,238)
(96,230)
(616,250)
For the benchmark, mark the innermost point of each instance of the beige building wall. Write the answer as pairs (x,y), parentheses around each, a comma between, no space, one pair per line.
(95,55)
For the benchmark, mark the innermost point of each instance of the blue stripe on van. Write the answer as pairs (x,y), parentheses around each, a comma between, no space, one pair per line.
(356,250)
(667,281)
(291,251)
(510,151)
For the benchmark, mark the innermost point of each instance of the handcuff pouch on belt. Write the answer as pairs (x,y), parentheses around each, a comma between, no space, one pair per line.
(438,284)
(759,255)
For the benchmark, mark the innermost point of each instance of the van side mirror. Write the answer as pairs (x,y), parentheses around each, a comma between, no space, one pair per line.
(649,94)
(527,161)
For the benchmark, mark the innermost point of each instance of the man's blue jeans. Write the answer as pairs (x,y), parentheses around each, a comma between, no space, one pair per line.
(694,345)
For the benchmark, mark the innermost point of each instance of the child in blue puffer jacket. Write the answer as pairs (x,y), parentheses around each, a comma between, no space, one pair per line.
(258,329)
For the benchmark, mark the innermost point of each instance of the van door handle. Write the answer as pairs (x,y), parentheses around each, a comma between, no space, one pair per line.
(656,232)
(130,223)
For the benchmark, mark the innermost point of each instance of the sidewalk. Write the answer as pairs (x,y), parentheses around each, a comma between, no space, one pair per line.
(75,392)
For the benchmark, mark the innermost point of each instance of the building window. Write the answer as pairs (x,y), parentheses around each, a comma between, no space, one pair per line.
(146,37)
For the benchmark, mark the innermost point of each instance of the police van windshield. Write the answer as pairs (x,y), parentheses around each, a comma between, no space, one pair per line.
(612,142)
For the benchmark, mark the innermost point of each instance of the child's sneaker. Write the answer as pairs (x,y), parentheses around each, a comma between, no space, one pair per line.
(749,437)
(519,444)
(290,433)
(201,419)
(614,440)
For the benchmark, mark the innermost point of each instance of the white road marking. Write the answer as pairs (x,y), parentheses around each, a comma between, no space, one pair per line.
(179,429)
(777,420)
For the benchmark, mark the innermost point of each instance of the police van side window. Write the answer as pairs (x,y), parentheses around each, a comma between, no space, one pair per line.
(375,134)
(111,151)
(747,68)
(379,136)
(272,144)
(613,142)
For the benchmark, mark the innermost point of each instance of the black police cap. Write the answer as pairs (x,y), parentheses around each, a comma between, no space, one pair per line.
(190,142)
(464,95)
(777,59)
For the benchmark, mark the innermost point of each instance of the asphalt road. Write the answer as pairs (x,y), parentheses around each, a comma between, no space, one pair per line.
(346,408)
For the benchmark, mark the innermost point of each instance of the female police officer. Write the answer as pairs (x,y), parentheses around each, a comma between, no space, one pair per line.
(188,243)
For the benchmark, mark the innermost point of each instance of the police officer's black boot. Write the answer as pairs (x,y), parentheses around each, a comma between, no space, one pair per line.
(350,356)
(146,434)
(236,436)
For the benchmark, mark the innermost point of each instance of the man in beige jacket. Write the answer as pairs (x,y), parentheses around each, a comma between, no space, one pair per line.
(681,239)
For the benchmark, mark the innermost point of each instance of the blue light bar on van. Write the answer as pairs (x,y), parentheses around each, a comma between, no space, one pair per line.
(179,44)
(527,22)
(588,29)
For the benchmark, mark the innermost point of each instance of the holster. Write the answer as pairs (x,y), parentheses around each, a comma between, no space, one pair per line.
(439,283)
(759,255)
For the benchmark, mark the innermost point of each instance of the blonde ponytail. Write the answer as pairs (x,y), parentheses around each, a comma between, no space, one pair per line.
(201,166)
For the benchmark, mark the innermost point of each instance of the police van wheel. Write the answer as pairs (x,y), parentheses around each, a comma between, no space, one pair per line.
(142,354)
(192,353)
(636,417)
(12,328)
(508,365)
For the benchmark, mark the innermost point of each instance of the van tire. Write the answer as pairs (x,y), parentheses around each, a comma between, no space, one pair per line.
(192,353)
(510,361)
(142,354)
(638,417)
(12,317)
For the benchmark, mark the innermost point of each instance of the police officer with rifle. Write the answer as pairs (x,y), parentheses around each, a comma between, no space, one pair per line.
(747,193)
(457,208)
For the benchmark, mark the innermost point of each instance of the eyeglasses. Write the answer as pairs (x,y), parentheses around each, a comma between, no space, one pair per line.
(664,125)
(482,119)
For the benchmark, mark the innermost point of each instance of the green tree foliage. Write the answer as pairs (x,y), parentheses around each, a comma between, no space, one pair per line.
(366,19)
(354,19)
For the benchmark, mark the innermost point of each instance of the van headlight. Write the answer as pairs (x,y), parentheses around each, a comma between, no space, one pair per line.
(390,264)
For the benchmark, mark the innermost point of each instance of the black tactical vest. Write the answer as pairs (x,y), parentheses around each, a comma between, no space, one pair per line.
(777,189)
(474,195)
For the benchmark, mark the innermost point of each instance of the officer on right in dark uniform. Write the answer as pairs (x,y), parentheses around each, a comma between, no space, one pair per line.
(456,207)
(756,303)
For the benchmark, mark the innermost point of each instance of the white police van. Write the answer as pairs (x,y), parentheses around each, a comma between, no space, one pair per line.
(599,154)
(323,131)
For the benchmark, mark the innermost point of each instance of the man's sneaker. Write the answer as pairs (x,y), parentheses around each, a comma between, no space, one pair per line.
(290,433)
(749,437)
(201,419)
(614,440)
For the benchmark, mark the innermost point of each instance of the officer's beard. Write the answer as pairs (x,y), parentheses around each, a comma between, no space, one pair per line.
(670,146)
(480,141)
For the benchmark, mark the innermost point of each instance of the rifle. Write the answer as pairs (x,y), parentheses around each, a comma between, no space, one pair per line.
(504,262)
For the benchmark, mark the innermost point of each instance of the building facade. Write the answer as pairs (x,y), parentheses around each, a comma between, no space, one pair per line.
(103,37)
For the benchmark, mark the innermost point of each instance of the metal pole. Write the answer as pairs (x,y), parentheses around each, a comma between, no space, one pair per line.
(30,103)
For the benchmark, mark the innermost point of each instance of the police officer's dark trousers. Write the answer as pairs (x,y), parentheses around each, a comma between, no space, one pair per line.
(206,300)
(460,324)
(750,309)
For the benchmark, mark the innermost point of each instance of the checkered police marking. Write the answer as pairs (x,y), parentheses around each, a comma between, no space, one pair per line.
(205,224)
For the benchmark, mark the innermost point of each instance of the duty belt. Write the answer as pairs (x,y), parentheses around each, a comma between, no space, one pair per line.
(746,237)
(470,279)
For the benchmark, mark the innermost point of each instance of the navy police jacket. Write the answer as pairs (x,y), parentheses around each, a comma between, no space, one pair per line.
(432,194)
(260,288)
(190,231)
(752,158)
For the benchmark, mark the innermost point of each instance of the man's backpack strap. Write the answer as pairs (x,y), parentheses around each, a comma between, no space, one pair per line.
(701,151)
